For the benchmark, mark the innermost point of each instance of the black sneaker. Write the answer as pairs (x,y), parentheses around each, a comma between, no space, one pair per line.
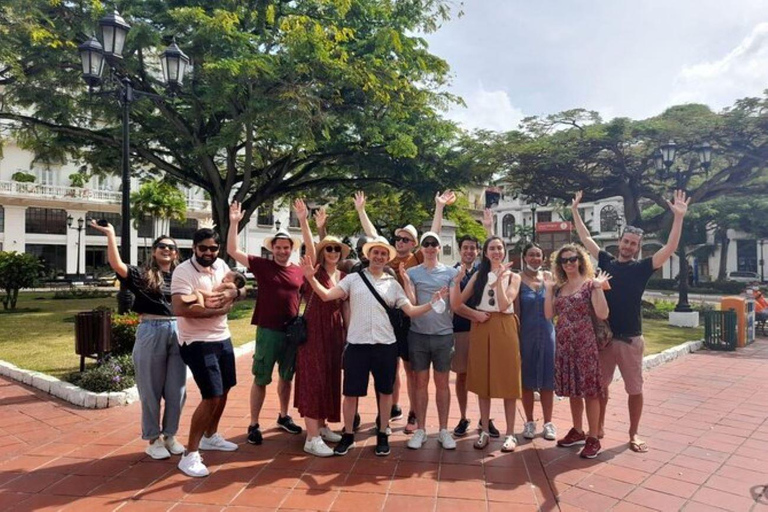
(382,445)
(356,423)
(287,424)
(461,428)
(347,442)
(492,430)
(396,413)
(254,434)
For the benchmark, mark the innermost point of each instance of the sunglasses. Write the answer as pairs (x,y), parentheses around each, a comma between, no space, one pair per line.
(632,230)
(162,245)
(208,248)
(572,259)
(402,239)
(430,243)
(332,248)
(491,294)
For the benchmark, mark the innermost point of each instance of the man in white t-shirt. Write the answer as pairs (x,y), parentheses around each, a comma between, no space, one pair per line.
(371,344)
(206,346)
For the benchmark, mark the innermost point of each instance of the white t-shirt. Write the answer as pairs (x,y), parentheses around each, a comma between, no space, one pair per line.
(490,289)
(188,277)
(368,320)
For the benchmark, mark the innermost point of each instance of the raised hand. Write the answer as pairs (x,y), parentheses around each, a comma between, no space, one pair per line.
(359,200)
(235,212)
(321,217)
(108,229)
(601,280)
(549,281)
(679,204)
(446,198)
(488,220)
(461,274)
(307,267)
(301,209)
(576,200)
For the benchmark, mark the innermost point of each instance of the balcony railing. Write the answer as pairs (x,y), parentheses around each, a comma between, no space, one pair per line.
(60,192)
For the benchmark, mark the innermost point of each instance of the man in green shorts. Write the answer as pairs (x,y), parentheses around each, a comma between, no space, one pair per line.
(278,302)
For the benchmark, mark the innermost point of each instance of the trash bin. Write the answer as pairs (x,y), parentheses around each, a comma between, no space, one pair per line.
(93,334)
(745,318)
(720,330)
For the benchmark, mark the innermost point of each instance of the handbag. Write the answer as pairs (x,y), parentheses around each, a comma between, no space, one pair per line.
(401,323)
(296,327)
(603,332)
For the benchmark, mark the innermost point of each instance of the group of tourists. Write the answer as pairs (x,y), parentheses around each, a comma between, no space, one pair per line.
(505,335)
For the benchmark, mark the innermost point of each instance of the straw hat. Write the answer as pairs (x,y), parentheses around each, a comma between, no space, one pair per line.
(410,230)
(296,243)
(379,241)
(331,240)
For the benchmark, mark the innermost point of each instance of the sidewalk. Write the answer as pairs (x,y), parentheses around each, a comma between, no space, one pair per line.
(706,422)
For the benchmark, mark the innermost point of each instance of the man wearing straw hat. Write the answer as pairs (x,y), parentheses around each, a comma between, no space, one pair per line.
(283,280)
(371,345)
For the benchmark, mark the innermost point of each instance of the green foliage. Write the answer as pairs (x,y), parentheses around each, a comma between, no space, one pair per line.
(78,179)
(242,309)
(124,332)
(160,199)
(660,309)
(465,222)
(81,293)
(114,373)
(17,271)
(23,177)
(711,287)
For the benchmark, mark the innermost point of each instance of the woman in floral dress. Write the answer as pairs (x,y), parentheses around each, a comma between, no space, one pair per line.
(573,296)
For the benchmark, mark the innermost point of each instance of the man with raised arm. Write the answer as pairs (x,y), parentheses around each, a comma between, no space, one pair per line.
(277,303)
(406,239)
(630,277)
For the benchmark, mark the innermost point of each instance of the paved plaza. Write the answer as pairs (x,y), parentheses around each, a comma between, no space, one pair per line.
(706,421)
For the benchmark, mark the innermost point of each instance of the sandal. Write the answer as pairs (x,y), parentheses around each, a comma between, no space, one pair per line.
(510,443)
(638,446)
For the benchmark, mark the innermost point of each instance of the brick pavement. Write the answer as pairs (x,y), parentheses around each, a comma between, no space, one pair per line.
(705,422)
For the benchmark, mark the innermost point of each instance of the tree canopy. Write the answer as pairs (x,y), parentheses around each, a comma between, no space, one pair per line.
(283,97)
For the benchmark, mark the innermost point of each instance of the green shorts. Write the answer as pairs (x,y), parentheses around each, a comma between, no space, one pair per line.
(271,348)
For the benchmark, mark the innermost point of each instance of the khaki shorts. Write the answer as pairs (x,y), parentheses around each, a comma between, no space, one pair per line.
(629,358)
(460,352)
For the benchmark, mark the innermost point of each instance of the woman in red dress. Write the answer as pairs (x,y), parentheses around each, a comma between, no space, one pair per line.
(573,295)
(318,362)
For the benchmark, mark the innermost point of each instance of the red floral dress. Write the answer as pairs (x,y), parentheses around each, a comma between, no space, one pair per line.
(318,361)
(577,363)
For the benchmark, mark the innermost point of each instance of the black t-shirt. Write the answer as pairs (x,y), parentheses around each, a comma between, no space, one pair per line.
(625,297)
(461,324)
(146,301)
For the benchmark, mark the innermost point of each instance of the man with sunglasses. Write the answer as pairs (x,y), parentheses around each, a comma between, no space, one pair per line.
(630,277)
(280,282)
(206,345)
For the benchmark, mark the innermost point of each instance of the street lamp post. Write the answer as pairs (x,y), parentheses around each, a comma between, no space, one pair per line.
(663,161)
(80,227)
(533,221)
(762,262)
(93,54)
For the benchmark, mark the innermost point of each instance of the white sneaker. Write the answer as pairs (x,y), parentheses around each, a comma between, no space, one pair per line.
(446,440)
(317,447)
(157,450)
(217,442)
(329,435)
(419,438)
(529,429)
(192,465)
(550,431)
(510,443)
(173,446)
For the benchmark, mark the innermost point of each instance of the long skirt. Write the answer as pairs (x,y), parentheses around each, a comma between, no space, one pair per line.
(493,366)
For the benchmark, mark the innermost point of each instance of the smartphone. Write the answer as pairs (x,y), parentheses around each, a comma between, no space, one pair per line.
(102,222)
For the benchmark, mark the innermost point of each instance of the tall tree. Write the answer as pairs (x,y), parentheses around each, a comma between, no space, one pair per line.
(283,96)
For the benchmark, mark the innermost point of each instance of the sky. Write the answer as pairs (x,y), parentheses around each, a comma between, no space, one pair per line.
(623,58)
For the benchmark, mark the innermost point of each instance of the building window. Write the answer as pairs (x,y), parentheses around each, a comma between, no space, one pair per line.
(113,218)
(543,217)
(609,219)
(46,176)
(293,220)
(508,226)
(265,217)
(267,255)
(146,228)
(53,258)
(746,255)
(46,221)
(183,230)
(2,219)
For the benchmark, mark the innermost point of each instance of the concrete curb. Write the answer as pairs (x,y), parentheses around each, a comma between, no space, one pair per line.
(78,396)
(666,356)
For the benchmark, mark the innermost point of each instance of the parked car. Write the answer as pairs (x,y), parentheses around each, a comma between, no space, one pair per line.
(743,276)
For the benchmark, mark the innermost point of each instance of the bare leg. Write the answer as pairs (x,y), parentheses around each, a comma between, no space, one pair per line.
(201,421)
(442,398)
(528,404)
(461,393)
(422,397)
(510,406)
(547,403)
(349,408)
(410,384)
(313,427)
(577,413)
(593,414)
(485,411)
(258,393)
(284,395)
(213,426)
(396,388)
(603,407)
(635,403)
(385,406)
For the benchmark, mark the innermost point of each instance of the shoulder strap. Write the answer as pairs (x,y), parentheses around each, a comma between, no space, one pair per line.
(373,291)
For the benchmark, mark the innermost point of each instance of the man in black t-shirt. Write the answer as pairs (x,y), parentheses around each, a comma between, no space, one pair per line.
(630,276)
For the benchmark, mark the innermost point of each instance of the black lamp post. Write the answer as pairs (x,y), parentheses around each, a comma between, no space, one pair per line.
(762,262)
(533,221)
(663,161)
(113,31)
(80,227)
(619,226)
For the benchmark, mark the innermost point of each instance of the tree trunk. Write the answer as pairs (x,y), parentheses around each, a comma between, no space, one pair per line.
(722,272)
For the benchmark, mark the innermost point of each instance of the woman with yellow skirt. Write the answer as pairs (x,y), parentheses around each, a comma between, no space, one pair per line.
(493,366)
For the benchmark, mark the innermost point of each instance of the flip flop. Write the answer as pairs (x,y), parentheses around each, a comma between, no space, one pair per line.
(638,447)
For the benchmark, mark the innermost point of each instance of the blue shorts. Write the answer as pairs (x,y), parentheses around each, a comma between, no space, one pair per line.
(212,364)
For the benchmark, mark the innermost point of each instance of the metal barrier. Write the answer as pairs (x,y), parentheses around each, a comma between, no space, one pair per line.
(93,335)
(720,330)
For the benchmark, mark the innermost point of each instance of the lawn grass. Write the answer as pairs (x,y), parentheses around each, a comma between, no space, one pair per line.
(40,336)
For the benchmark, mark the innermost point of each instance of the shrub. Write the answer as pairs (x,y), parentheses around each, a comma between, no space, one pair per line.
(114,373)
(124,332)
(81,293)
(660,309)
(17,271)
(712,287)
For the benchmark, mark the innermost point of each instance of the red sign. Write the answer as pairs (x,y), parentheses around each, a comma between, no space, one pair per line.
(552,227)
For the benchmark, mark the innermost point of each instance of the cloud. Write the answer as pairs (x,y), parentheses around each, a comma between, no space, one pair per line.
(742,72)
(490,110)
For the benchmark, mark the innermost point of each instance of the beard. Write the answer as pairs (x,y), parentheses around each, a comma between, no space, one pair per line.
(204,261)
